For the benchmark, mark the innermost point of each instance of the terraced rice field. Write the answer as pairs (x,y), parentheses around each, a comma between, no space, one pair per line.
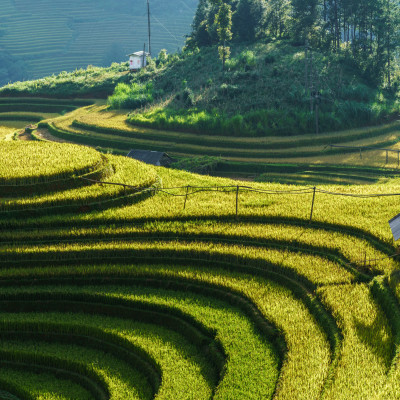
(89,122)
(64,36)
(137,292)
(18,113)
(294,160)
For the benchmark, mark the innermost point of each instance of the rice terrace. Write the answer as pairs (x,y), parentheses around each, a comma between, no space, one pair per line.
(249,254)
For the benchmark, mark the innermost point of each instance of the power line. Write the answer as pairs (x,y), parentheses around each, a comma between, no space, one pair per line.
(166,29)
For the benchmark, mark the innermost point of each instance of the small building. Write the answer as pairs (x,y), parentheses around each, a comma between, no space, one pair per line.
(138,60)
(157,158)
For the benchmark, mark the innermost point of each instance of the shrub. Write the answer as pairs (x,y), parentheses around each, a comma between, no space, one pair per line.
(200,165)
(248,59)
(131,96)
(162,56)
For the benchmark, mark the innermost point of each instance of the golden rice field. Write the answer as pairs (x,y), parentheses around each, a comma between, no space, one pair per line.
(119,280)
(156,288)
(6,132)
(111,129)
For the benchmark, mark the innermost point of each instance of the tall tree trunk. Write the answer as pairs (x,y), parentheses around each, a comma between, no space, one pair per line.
(337,43)
(389,61)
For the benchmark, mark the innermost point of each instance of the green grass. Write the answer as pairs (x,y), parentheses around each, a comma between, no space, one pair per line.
(122,381)
(368,341)
(64,181)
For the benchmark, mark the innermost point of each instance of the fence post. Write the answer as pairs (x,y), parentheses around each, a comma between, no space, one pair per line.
(360,154)
(186,196)
(237,199)
(398,158)
(387,156)
(312,205)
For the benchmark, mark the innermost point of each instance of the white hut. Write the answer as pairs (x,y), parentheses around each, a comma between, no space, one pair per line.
(138,60)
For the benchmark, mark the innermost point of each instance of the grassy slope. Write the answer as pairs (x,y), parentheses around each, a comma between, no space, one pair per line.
(267,78)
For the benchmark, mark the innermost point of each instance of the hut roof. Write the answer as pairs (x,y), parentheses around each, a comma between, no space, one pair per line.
(139,54)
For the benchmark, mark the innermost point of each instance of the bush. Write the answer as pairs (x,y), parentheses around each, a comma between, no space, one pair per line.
(131,96)
(162,57)
(360,93)
(188,97)
(200,165)
(248,58)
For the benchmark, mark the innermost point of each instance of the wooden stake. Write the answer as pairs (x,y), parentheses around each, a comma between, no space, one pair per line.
(312,205)
(186,197)
(237,200)
(387,156)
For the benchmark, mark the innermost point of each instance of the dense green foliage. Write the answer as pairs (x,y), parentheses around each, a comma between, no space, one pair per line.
(263,92)
(366,32)
(199,165)
(131,96)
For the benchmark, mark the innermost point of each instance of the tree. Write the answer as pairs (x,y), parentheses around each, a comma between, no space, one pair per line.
(200,34)
(247,19)
(276,17)
(223,22)
(392,35)
(304,19)
(162,56)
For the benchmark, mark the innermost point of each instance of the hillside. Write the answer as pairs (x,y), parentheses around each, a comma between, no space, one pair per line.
(262,264)
(261,93)
(46,37)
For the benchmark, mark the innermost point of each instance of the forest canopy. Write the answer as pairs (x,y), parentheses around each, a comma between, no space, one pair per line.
(367,32)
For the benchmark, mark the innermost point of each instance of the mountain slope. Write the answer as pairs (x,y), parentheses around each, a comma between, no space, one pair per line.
(48,36)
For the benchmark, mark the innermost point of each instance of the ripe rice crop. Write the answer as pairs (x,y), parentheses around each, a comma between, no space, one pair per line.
(124,171)
(262,304)
(34,162)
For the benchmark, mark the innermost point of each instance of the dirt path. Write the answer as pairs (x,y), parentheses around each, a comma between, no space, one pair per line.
(46,135)
(24,136)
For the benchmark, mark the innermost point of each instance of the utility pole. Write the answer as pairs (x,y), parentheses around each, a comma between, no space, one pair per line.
(144,55)
(311,82)
(148,24)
